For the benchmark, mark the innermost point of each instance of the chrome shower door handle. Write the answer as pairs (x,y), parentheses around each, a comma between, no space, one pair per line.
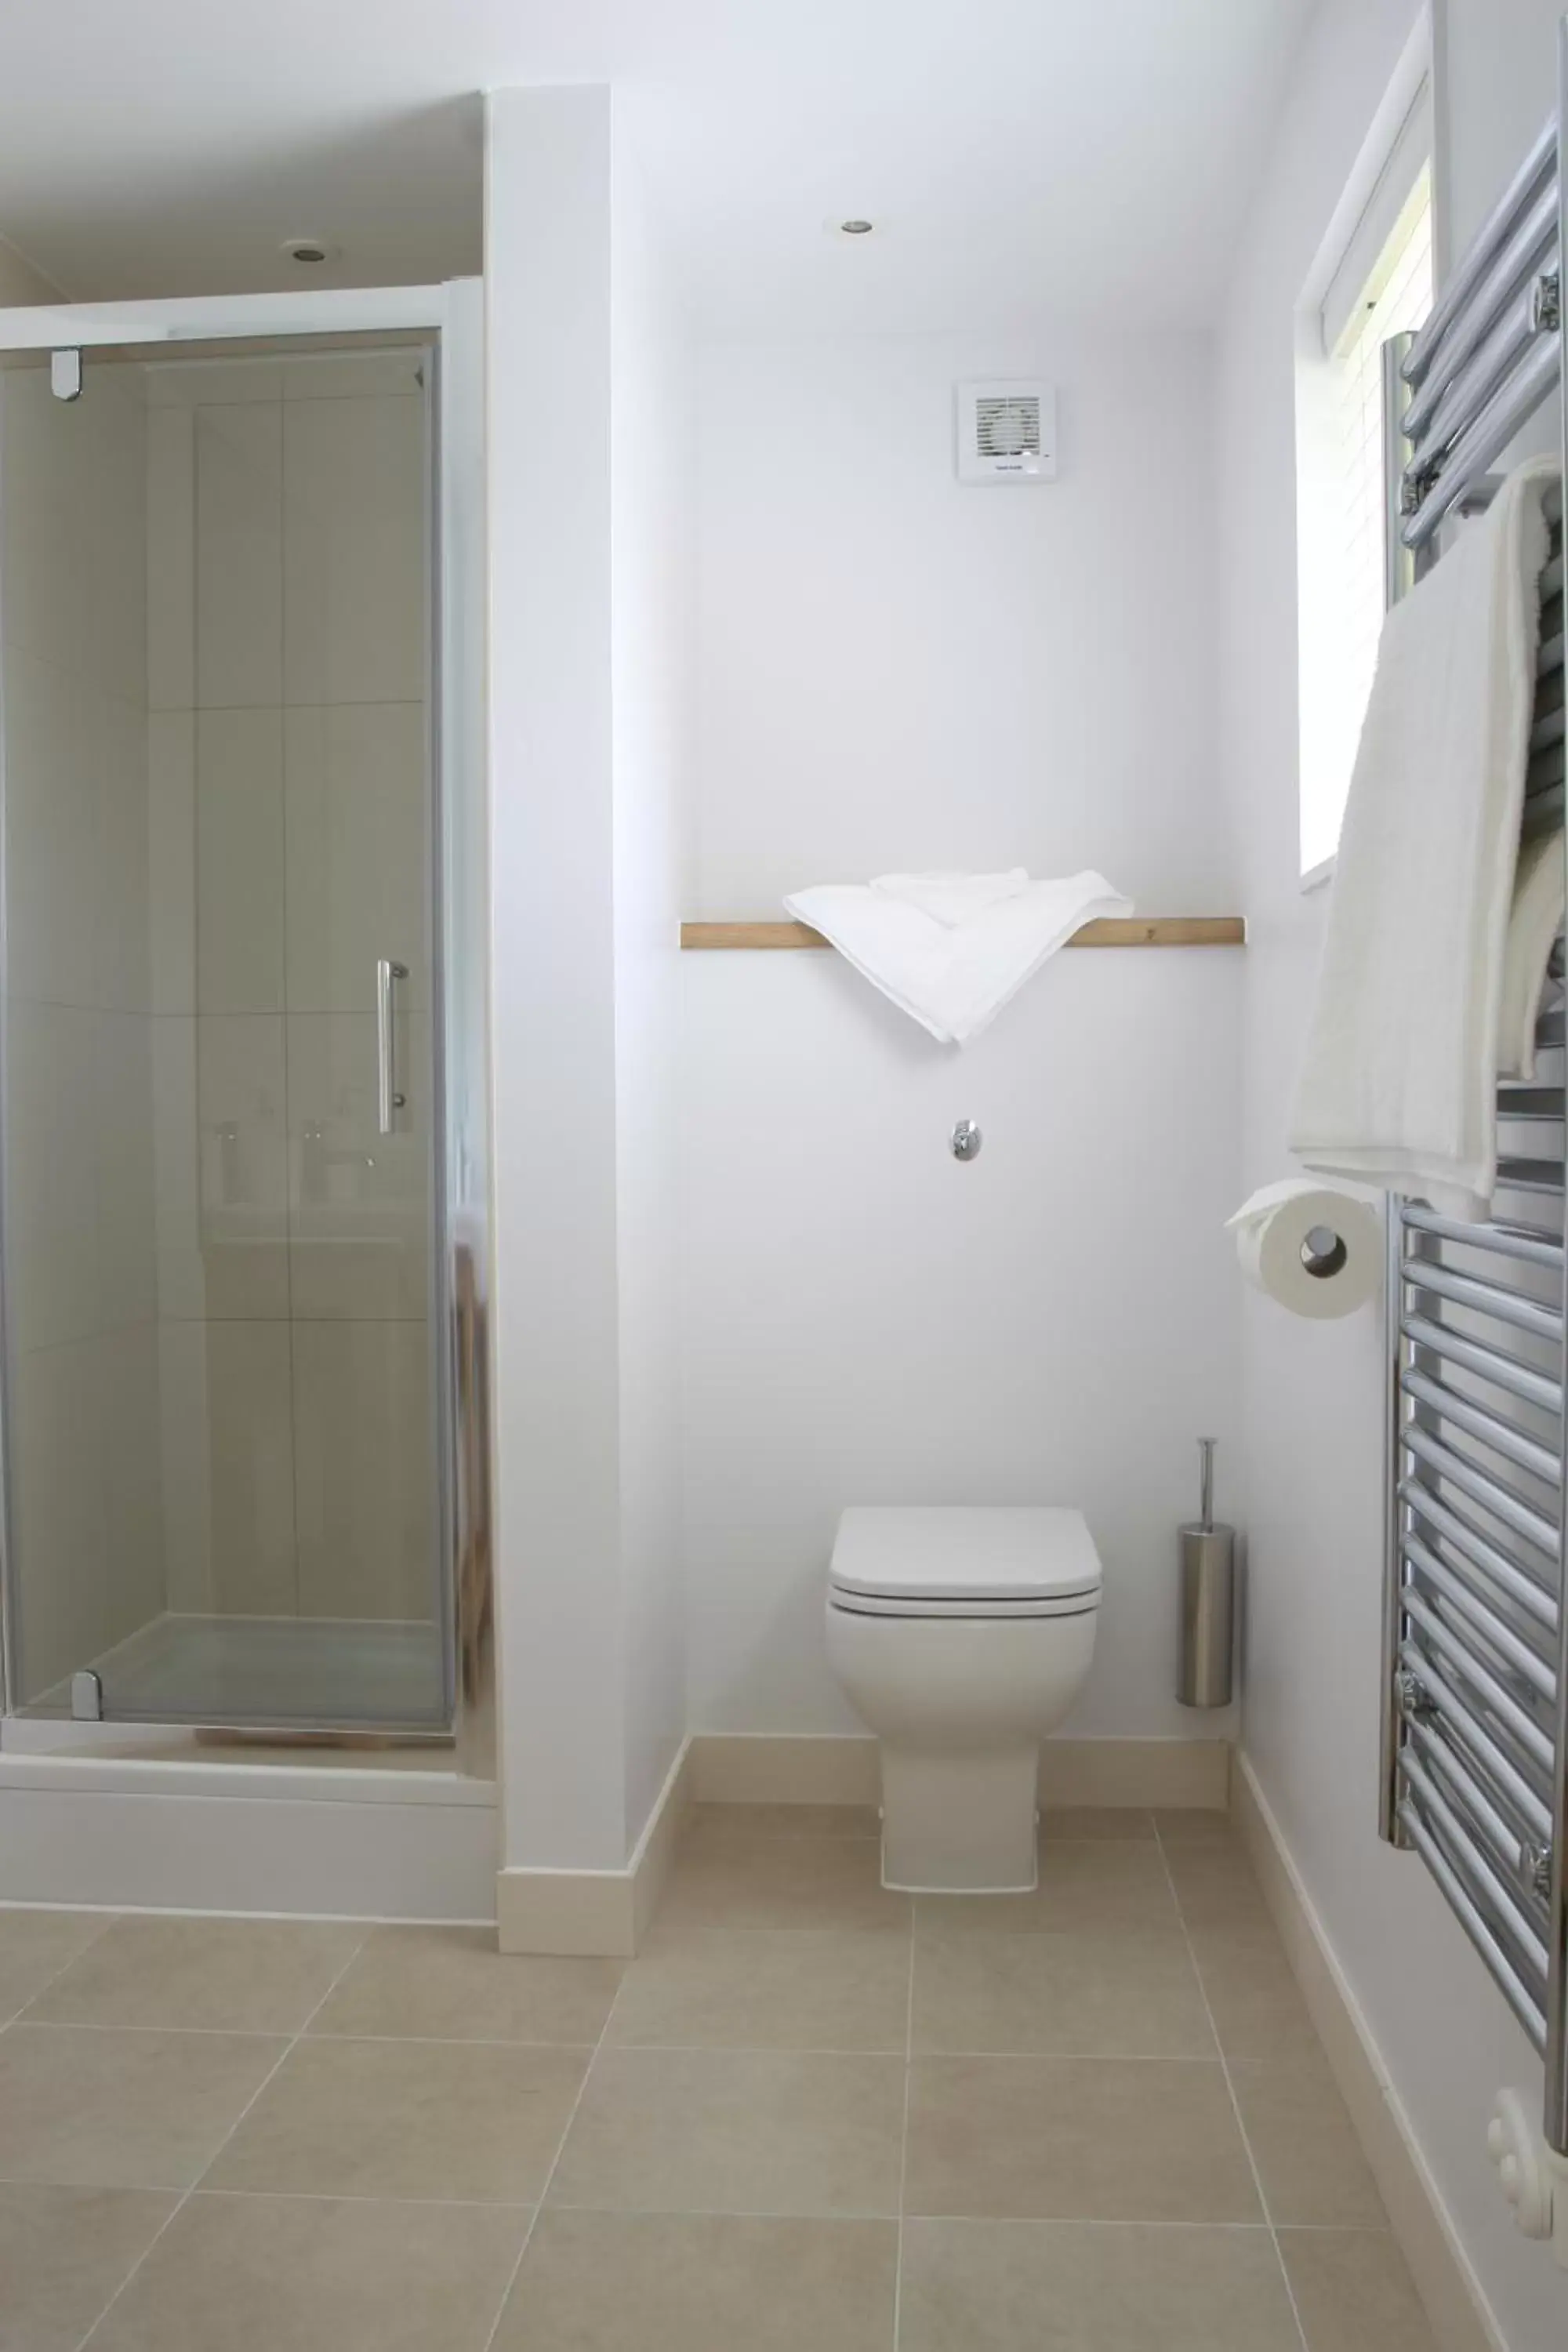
(387,1101)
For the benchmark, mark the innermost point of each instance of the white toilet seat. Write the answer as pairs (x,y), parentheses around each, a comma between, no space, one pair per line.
(953,1561)
(908,1605)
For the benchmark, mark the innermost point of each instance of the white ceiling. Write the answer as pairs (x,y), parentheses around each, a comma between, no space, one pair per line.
(1026,156)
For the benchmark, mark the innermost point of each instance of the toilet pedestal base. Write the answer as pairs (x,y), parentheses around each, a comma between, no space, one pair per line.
(960,1823)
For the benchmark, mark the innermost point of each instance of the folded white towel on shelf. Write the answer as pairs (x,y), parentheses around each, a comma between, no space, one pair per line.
(952,971)
(1398,1086)
(1533,923)
(952,897)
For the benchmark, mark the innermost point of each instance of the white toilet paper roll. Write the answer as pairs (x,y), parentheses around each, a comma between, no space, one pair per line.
(1316,1249)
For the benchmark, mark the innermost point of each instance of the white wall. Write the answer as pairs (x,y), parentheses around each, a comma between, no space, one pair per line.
(899,671)
(1314,1392)
(586,436)
(653,426)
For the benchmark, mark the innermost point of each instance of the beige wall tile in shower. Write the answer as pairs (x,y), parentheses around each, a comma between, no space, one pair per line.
(361,1448)
(359,1214)
(42,562)
(212,383)
(185,1461)
(354,506)
(125,1171)
(358,863)
(239,556)
(239,861)
(355,376)
(182,1280)
(51,1155)
(127,1437)
(251,1468)
(242,1165)
(49,814)
(61,1535)
(108,436)
(121,956)
(171,556)
(172,859)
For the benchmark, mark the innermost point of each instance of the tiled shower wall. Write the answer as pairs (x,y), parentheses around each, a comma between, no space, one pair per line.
(288,771)
(86,1509)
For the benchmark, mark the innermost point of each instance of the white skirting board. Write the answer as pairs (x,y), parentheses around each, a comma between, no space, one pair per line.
(1455,2303)
(610,1911)
(286,1841)
(737,1769)
(597,1911)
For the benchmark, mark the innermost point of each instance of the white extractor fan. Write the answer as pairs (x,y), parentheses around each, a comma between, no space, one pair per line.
(1006,432)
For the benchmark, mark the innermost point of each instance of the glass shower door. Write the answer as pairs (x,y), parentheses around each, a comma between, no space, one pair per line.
(220,1087)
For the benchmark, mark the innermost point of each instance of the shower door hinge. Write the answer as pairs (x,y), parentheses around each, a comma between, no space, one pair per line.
(86,1696)
(65,374)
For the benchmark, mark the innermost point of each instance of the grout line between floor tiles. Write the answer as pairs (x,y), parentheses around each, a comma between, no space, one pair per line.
(1234,2102)
(516,2271)
(182,2200)
(109,1919)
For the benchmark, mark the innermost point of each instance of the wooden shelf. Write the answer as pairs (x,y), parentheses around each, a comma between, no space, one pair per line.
(1128,931)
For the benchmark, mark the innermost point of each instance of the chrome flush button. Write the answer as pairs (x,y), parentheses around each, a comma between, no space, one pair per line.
(966,1140)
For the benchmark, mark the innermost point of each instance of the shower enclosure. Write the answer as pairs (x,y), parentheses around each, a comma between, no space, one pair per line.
(241,1090)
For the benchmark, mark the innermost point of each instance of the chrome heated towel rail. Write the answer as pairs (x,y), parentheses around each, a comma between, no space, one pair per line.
(1475,1745)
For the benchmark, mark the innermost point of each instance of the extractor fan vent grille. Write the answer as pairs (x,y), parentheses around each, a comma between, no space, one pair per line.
(1008,425)
(1006,432)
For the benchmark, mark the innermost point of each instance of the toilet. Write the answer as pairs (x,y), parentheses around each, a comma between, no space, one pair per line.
(962,1636)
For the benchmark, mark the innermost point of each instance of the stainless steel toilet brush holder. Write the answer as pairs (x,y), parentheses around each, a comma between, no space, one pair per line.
(1208,1601)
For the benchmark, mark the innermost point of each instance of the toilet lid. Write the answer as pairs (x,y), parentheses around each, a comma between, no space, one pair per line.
(998,1553)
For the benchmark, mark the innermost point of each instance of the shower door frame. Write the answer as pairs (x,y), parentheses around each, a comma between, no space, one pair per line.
(451,315)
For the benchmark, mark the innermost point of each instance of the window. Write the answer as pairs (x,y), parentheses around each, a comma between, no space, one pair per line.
(1381,286)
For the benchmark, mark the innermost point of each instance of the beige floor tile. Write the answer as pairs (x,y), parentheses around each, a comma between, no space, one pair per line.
(422,2119)
(1092,1883)
(790,1882)
(1111,2139)
(1309,2159)
(701,2282)
(1196,1825)
(1093,1992)
(784,1820)
(237,1976)
(710,1989)
(36,1946)
(112,2110)
(1251,1988)
(307,2275)
(730,2131)
(1215,1884)
(1354,2291)
(63,2253)
(451,1984)
(1061,1823)
(1053,2286)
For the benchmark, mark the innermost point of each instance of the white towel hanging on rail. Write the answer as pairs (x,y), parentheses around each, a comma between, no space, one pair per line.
(952,970)
(1399,1085)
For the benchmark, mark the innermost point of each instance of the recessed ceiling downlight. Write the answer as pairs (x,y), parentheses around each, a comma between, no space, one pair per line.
(855,227)
(309,252)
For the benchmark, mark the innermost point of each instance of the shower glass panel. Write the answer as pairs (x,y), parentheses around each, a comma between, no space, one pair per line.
(220,1080)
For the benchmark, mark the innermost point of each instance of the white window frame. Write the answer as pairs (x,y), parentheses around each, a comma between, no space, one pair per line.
(1398,147)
